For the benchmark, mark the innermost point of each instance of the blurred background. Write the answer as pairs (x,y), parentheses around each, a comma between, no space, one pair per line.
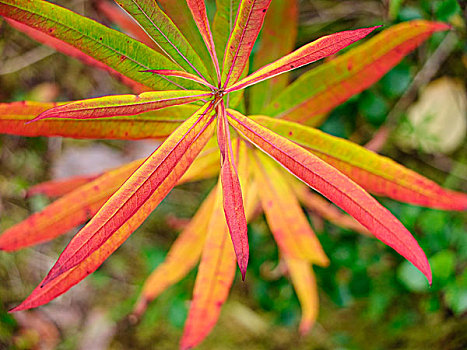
(370,297)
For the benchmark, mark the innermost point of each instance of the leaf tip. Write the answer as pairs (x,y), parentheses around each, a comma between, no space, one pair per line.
(426,270)
(441,26)
(243,264)
(305,328)
(139,308)
(20,307)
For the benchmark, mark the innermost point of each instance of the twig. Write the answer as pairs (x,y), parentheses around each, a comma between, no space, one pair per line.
(17,63)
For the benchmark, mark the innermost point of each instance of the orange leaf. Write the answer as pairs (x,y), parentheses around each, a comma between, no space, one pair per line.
(285,217)
(215,275)
(42,294)
(337,187)
(304,282)
(60,187)
(66,212)
(142,192)
(83,202)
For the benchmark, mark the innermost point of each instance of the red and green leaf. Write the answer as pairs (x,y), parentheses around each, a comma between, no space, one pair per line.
(126,23)
(198,10)
(123,105)
(181,74)
(69,50)
(285,217)
(375,173)
(224,18)
(232,193)
(180,14)
(337,187)
(316,50)
(277,39)
(110,47)
(250,17)
(165,34)
(141,193)
(322,89)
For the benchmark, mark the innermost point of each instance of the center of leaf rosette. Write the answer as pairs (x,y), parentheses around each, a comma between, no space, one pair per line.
(218,94)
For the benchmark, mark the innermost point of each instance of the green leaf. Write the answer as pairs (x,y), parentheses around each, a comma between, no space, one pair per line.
(180,14)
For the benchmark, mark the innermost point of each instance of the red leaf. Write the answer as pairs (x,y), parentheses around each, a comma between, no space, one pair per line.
(337,187)
(314,51)
(232,193)
(375,173)
(141,193)
(285,217)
